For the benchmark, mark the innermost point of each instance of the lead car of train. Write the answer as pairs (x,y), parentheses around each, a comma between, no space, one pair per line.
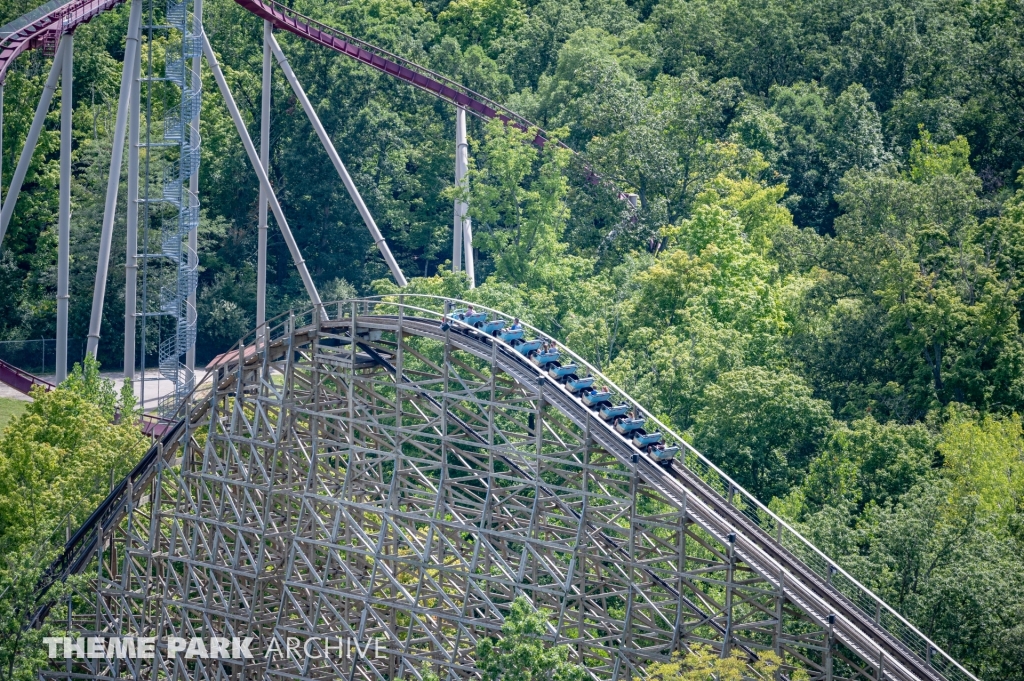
(599,399)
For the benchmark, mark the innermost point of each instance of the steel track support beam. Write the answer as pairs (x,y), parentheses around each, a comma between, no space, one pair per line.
(131,52)
(353,191)
(64,214)
(463,227)
(30,141)
(261,249)
(250,150)
(193,180)
(131,258)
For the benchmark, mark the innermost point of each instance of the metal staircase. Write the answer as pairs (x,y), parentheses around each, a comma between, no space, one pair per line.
(176,206)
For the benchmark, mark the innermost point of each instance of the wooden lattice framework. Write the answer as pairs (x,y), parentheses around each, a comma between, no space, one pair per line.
(406,490)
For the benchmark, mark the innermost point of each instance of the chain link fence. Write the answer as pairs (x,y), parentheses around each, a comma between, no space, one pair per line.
(40,356)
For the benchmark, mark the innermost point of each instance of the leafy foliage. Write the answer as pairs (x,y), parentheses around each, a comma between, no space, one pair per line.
(820,283)
(521,654)
(704,664)
(57,462)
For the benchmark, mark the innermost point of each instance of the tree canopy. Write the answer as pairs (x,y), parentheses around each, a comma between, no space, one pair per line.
(819,286)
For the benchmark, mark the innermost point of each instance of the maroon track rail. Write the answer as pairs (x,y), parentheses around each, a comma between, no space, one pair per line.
(393,65)
(443,88)
(49,27)
(22,381)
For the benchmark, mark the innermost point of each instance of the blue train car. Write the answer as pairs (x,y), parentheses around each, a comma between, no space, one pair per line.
(542,359)
(558,373)
(610,413)
(596,397)
(493,327)
(476,319)
(642,439)
(579,384)
(663,454)
(627,426)
(511,336)
(526,347)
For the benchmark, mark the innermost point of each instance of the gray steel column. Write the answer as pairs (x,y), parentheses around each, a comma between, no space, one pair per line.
(463,226)
(457,225)
(250,150)
(261,248)
(131,264)
(131,52)
(378,239)
(193,180)
(64,216)
(30,142)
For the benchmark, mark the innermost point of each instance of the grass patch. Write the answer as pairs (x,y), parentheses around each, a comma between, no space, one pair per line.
(9,408)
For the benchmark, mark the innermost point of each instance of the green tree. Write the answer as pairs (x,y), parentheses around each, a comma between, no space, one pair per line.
(864,463)
(58,459)
(22,651)
(704,664)
(910,246)
(57,462)
(518,204)
(762,426)
(481,22)
(984,459)
(522,654)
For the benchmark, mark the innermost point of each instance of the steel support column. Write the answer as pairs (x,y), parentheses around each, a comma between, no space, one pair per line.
(64,215)
(250,150)
(463,228)
(353,191)
(261,249)
(131,52)
(30,142)
(131,258)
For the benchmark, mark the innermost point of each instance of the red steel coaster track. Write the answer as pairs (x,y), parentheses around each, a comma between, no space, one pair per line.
(43,26)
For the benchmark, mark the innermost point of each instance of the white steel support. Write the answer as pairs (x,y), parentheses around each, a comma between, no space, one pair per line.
(131,263)
(193,181)
(131,52)
(261,248)
(353,192)
(457,228)
(250,150)
(463,228)
(64,216)
(30,142)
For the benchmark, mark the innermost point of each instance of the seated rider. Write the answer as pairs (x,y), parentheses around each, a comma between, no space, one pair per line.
(516,326)
(470,311)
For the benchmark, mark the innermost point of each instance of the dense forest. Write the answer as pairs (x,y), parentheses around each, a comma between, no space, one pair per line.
(820,284)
